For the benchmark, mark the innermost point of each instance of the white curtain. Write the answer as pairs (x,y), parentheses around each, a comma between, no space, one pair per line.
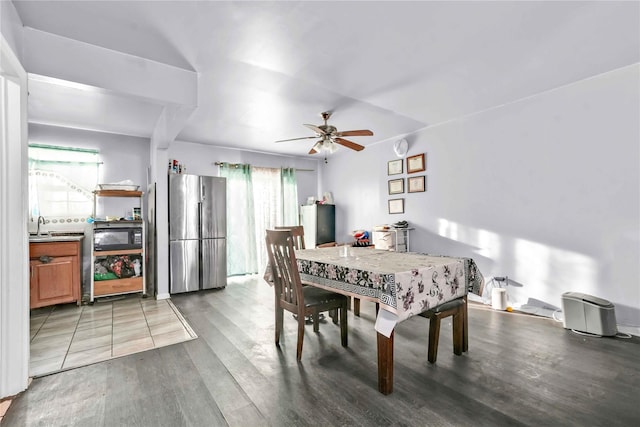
(61,182)
(258,199)
(241,236)
(267,193)
(290,210)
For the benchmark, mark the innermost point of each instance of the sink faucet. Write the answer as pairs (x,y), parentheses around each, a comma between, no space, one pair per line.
(40,221)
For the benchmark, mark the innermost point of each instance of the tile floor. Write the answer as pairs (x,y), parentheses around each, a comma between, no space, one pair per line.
(67,336)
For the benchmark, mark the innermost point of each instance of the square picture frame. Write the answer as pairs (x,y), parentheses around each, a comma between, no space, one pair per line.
(417,184)
(394,167)
(396,186)
(416,163)
(396,206)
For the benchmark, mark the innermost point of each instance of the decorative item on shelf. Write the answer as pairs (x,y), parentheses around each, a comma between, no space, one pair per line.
(416,163)
(175,167)
(126,185)
(361,238)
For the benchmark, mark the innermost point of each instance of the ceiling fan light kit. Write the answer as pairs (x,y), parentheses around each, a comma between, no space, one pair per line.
(330,137)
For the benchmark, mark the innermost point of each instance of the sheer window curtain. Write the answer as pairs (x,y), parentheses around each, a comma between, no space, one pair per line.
(267,191)
(258,199)
(290,212)
(61,181)
(241,237)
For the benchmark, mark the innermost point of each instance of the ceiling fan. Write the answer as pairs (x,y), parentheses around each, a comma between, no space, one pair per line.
(330,136)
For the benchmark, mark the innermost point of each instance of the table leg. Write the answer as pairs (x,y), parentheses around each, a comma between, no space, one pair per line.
(385,363)
(465,325)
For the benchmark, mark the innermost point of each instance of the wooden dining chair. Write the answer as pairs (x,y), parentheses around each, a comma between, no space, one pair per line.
(297,231)
(455,308)
(290,295)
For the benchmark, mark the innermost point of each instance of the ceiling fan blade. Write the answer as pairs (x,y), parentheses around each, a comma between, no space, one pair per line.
(316,129)
(363,132)
(316,147)
(295,139)
(349,144)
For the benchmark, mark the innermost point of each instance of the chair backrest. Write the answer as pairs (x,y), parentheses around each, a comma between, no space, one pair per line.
(284,268)
(297,231)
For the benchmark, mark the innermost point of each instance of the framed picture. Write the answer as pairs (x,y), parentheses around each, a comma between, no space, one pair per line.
(396,186)
(415,163)
(396,206)
(416,184)
(394,167)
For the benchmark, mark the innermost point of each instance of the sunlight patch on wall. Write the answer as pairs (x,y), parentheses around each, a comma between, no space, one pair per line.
(545,272)
(448,229)
(554,271)
(488,243)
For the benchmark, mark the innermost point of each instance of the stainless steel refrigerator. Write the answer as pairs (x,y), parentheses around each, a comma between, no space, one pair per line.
(197,232)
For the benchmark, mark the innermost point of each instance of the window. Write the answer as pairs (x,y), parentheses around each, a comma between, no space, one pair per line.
(257,199)
(61,181)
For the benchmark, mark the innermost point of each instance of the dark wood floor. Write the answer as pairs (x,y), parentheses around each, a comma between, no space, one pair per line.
(520,370)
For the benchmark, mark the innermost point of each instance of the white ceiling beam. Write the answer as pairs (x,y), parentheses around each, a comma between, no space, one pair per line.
(62,58)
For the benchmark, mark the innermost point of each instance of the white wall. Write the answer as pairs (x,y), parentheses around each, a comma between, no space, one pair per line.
(124,157)
(200,159)
(11,28)
(545,190)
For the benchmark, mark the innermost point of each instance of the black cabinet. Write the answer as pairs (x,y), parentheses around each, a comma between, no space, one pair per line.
(319,222)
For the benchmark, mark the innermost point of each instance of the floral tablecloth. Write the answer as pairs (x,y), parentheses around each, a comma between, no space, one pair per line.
(404,283)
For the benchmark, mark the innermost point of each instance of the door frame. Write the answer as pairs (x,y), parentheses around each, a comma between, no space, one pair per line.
(14,245)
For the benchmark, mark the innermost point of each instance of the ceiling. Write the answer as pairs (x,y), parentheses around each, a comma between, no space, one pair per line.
(265,68)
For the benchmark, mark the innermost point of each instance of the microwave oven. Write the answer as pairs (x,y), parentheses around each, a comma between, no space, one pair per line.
(117,238)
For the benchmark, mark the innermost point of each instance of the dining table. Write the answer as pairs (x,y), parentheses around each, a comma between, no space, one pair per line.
(404,284)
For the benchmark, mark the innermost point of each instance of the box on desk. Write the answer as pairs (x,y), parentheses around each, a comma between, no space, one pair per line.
(390,240)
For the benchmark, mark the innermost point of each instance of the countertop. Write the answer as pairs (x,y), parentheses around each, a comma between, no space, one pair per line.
(52,238)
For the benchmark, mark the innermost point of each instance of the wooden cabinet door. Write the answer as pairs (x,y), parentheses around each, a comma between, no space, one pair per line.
(52,282)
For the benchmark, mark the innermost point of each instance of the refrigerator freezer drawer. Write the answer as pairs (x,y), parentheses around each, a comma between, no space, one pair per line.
(214,263)
(185,266)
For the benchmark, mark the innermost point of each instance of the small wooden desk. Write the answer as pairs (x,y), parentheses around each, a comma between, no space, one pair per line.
(404,284)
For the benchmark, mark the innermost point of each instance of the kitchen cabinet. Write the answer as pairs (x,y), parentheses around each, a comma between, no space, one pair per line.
(114,281)
(55,273)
